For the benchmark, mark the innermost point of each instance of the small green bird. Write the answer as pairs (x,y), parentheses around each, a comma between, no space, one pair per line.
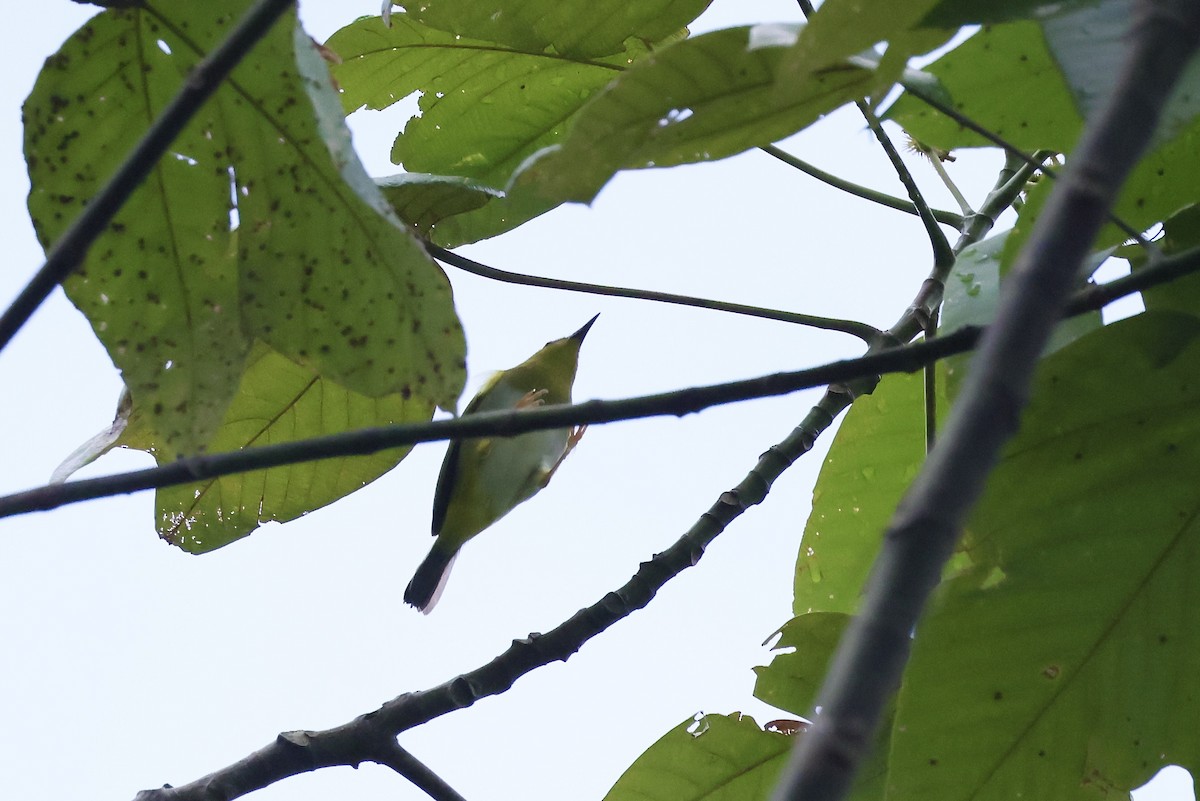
(482,480)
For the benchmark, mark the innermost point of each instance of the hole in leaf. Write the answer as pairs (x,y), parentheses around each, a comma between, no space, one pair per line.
(1172,782)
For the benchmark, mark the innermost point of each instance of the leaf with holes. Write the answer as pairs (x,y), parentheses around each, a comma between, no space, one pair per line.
(485,107)
(711,757)
(278,401)
(260,224)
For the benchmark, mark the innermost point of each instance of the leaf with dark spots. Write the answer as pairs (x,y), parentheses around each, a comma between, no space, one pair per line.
(174,280)
(277,401)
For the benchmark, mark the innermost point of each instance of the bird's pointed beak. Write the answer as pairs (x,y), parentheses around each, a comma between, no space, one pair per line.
(582,332)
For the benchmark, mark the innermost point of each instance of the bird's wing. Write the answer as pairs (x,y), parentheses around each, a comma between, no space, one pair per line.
(449,471)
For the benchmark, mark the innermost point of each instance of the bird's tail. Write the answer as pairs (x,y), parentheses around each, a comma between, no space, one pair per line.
(428,582)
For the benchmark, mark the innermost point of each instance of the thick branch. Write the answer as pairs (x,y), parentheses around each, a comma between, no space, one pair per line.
(867,665)
(68,252)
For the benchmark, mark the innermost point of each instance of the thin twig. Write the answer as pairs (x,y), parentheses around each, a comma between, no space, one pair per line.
(866,667)
(907,358)
(69,251)
(943,255)
(866,193)
(930,382)
(867,333)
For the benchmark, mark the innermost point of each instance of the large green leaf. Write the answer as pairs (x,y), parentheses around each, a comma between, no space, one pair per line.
(1181,232)
(973,291)
(953,13)
(842,28)
(701,99)
(277,401)
(1161,184)
(485,107)
(800,661)
(1066,62)
(260,225)
(424,201)
(574,28)
(711,757)
(1062,663)
(1005,78)
(876,453)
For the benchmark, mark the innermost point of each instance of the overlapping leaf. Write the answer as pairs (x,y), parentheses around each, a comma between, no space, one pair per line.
(1065,64)
(806,643)
(261,227)
(485,107)
(875,455)
(566,125)
(249,230)
(1060,664)
(842,28)
(1005,78)
(277,401)
(703,99)
(974,290)
(1181,232)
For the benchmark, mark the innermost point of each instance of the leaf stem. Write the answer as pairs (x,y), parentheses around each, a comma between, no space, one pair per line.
(866,193)
(867,333)
(943,256)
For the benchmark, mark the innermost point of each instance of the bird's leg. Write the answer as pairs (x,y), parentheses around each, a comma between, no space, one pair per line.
(572,440)
(533,399)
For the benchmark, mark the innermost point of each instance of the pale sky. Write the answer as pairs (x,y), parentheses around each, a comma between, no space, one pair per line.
(128,664)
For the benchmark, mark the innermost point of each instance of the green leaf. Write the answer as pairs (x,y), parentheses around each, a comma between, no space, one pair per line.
(973,291)
(1089,43)
(955,13)
(702,99)
(423,200)
(575,28)
(842,28)
(484,107)
(1004,78)
(800,661)
(710,757)
(797,671)
(875,455)
(260,225)
(1062,663)
(1161,185)
(1067,61)
(1181,232)
(279,401)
